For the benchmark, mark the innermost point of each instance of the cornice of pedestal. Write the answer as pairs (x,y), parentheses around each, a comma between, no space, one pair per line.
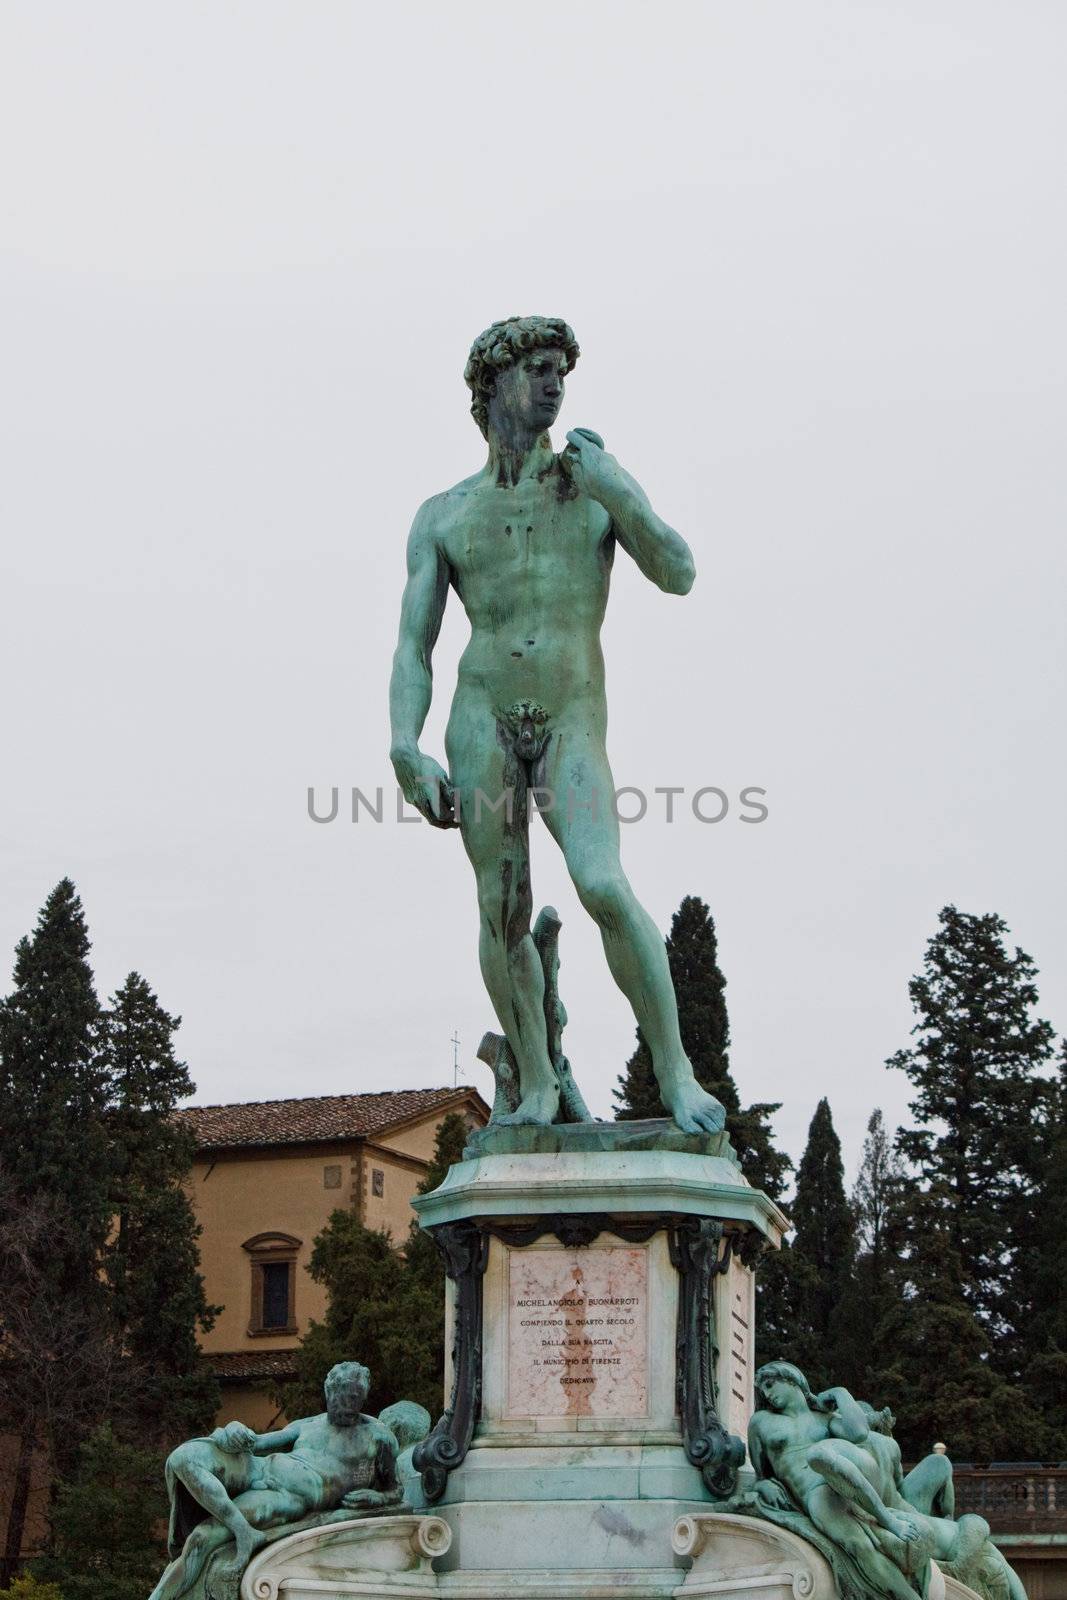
(622,1184)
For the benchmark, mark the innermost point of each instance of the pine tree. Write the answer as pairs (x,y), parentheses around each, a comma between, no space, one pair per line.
(935,1370)
(53,1143)
(821,1255)
(976,1069)
(153,1261)
(700,989)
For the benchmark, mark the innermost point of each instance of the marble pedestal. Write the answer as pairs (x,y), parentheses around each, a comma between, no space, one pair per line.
(600,1320)
(600,1328)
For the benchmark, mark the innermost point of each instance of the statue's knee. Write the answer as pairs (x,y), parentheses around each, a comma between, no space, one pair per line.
(603,894)
(822,1458)
(184,1456)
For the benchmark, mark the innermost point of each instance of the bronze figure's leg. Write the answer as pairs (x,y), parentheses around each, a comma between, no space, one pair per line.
(584,824)
(491,783)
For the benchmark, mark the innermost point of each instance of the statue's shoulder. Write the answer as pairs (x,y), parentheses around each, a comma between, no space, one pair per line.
(441,508)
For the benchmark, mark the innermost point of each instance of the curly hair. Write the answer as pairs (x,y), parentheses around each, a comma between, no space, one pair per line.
(501,346)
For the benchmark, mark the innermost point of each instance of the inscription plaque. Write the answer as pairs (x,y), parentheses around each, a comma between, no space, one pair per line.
(578,1333)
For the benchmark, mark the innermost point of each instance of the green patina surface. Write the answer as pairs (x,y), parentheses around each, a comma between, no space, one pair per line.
(828,1468)
(528,545)
(659,1133)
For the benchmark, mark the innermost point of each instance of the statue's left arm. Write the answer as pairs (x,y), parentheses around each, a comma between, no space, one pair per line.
(388,1491)
(847,1420)
(660,552)
(282,1439)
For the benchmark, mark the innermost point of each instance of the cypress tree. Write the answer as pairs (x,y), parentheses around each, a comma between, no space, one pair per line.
(107,1523)
(822,1252)
(53,1088)
(979,1097)
(153,1262)
(386,1306)
(870,1296)
(53,1142)
(1040,1278)
(422,1308)
(362,1274)
(700,989)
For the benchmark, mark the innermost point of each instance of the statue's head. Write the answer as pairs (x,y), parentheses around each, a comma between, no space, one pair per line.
(347,1385)
(408,1421)
(515,373)
(777,1382)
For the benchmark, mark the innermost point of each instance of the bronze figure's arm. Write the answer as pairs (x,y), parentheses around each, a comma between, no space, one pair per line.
(424,783)
(660,552)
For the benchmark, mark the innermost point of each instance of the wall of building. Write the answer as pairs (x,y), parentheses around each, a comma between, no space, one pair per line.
(251,1403)
(238,1194)
(398,1178)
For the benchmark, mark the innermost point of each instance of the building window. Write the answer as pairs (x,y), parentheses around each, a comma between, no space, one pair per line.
(377,1181)
(273,1297)
(331,1177)
(276,1281)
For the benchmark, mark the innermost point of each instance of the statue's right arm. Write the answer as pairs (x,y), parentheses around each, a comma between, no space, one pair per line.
(424,783)
(760,1465)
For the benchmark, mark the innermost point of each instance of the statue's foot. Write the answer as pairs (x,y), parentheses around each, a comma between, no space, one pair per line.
(540,1108)
(693,1109)
(247,1545)
(910,1531)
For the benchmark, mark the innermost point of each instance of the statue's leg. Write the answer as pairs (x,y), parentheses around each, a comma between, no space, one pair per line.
(188,1463)
(182,1573)
(929,1488)
(585,826)
(494,801)
(849,1471)
(833,1518)
(271,1508)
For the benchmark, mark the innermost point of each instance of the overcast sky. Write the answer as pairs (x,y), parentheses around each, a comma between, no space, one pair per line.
(814,255)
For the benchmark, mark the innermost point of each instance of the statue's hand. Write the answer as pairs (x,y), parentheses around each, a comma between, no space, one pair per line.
(355,1498)
(596,473)
(235,1438)
(772,1493)
(426,786)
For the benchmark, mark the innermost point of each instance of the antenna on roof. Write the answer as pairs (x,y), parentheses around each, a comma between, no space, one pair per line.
(454,1041)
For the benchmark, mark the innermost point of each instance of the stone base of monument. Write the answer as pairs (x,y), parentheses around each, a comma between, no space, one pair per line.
(600,1332)
(697,1555)
(600,1327)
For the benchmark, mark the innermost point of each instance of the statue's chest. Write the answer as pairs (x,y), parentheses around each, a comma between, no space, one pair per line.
(512,532)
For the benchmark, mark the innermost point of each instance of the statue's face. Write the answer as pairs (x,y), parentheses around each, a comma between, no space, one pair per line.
(781,1394)
(346,1396)
(528,394)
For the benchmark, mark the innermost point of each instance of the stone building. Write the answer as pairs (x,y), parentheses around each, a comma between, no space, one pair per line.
(266,1177)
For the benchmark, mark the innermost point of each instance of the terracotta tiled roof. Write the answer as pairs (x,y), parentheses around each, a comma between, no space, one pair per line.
(246,1366)
(316,1119)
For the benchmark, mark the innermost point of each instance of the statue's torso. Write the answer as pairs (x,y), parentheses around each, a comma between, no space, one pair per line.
(787,1440)
(531,564)
(326,1461)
